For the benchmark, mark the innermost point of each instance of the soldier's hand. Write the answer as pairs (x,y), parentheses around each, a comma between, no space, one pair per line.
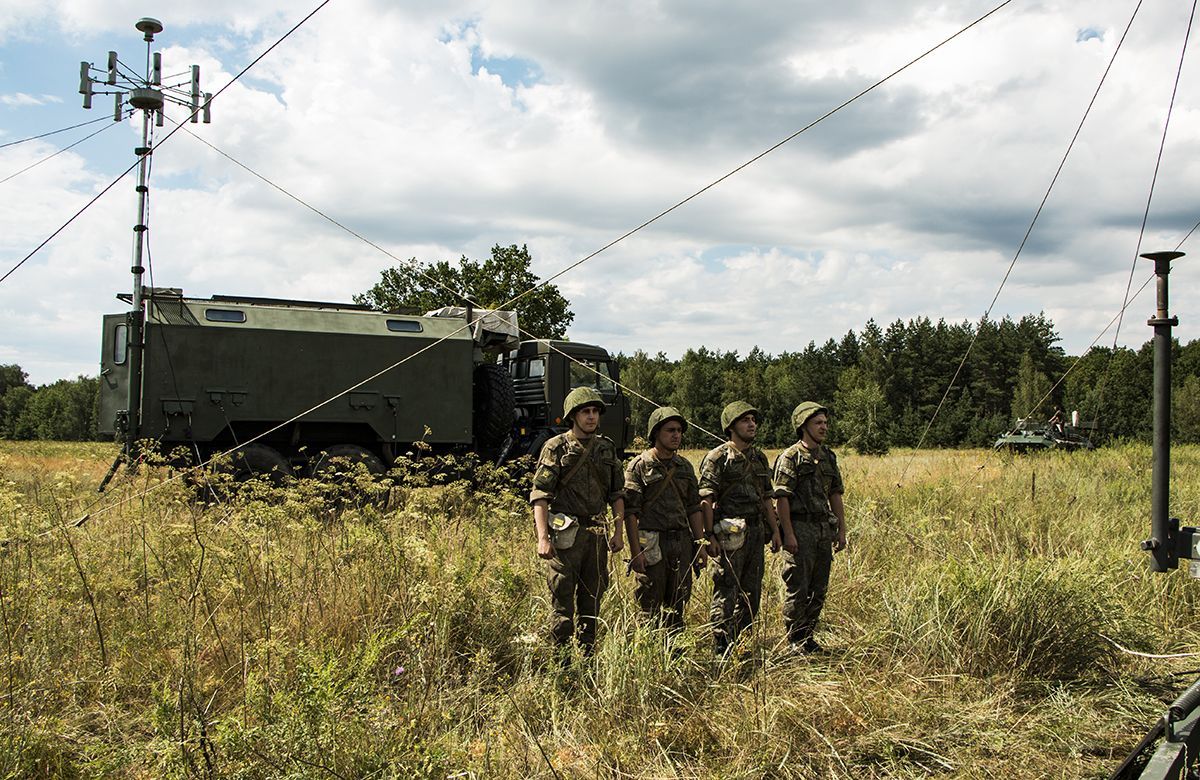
(839,544)
(714,549)
(776,542)
(638,562)
(791,545)
(546,548)
(616,543)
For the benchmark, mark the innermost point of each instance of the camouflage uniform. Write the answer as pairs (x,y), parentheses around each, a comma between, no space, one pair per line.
(738,482)
(807,479)
(663,590)
(578,575)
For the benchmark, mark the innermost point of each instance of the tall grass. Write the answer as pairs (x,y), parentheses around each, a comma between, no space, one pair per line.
(974,625)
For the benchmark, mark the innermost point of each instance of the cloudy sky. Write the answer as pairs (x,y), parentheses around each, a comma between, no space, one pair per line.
(438,129)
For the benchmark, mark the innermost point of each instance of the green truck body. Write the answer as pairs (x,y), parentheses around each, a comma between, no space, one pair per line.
(302,377)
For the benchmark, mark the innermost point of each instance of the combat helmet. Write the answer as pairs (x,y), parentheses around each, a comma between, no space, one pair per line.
(580,397)
(660,416)
(804,411)
(734,412)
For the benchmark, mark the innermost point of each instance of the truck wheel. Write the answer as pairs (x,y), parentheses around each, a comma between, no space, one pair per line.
(259,461)
(342,458)
(494,405)
(336,466)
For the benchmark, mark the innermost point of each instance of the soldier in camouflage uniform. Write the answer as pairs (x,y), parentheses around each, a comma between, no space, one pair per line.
(578,475)
(735,497)
(808,500)
(663,521)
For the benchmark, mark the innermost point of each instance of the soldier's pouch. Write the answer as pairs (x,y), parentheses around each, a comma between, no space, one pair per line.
(563,529)
(731,533)
(651,550)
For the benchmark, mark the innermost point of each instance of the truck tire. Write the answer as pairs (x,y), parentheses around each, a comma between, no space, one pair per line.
(341,458)
(336,465)
(494,407)
(259,461)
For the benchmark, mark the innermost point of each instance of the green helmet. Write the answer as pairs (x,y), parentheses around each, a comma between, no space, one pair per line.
(661,415)
(734,412)
(804,411)
(581,396)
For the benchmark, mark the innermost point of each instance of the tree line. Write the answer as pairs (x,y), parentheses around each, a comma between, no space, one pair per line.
(884,385)
(66,410)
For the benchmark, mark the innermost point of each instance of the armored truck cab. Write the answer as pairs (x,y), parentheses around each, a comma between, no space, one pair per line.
(543,372)
(309,377)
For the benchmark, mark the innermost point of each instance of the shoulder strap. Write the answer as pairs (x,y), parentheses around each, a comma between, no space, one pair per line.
(584,459)
(668,479)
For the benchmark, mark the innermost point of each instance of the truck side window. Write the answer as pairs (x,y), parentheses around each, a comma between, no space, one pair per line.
(120,344)
(404,326)
(592,374)
(224,315)
(537,368)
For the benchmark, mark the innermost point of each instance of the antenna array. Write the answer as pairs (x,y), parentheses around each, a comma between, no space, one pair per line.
(146,93)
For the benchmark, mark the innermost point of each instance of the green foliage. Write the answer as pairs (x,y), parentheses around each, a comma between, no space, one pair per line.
(1186,411)
(1030,396)
(909,364)
(63,411)
(421,287)
(862,412)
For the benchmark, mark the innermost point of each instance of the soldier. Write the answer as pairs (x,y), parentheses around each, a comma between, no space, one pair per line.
(578,473)
(808,500)
(735,496)
(663,521)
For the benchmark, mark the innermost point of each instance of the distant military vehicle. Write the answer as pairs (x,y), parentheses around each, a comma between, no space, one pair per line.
(218,372)
(1030,436)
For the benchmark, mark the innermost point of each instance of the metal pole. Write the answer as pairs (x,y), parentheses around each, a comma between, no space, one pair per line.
(1161,544)
(137,315)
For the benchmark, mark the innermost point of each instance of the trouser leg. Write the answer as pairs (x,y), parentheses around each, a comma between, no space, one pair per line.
(806,580)
(663,590)
(750,577)
(562,576)
(737,590)
(593,581)
(680,549)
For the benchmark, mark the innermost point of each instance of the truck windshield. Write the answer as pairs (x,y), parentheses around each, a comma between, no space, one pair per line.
(591,374)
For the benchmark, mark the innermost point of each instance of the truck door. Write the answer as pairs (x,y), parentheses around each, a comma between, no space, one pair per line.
(114,372)
(599,374)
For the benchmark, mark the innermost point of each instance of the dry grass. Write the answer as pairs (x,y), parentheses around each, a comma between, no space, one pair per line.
(266,638)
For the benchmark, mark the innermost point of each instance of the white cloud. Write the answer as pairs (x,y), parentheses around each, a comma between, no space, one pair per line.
(17,99)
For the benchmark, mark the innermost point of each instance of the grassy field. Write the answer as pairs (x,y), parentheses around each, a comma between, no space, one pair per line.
(978,626)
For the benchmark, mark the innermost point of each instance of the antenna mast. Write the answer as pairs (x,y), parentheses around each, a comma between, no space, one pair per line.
(149,95)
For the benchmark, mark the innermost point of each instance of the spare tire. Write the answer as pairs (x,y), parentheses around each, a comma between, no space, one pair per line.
(494,407)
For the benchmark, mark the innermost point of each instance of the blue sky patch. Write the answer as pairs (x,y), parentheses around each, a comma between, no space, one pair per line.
(513,71)
(1089,34)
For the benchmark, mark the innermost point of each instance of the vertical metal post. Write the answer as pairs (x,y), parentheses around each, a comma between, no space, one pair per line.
(1162,543)
(137,315)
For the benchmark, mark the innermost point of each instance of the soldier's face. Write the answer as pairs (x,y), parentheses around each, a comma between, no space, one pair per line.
(817,427)
(587,419)
(745,428)
(670,436)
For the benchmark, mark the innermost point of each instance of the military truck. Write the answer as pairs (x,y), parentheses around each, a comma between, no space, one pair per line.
(310,381)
